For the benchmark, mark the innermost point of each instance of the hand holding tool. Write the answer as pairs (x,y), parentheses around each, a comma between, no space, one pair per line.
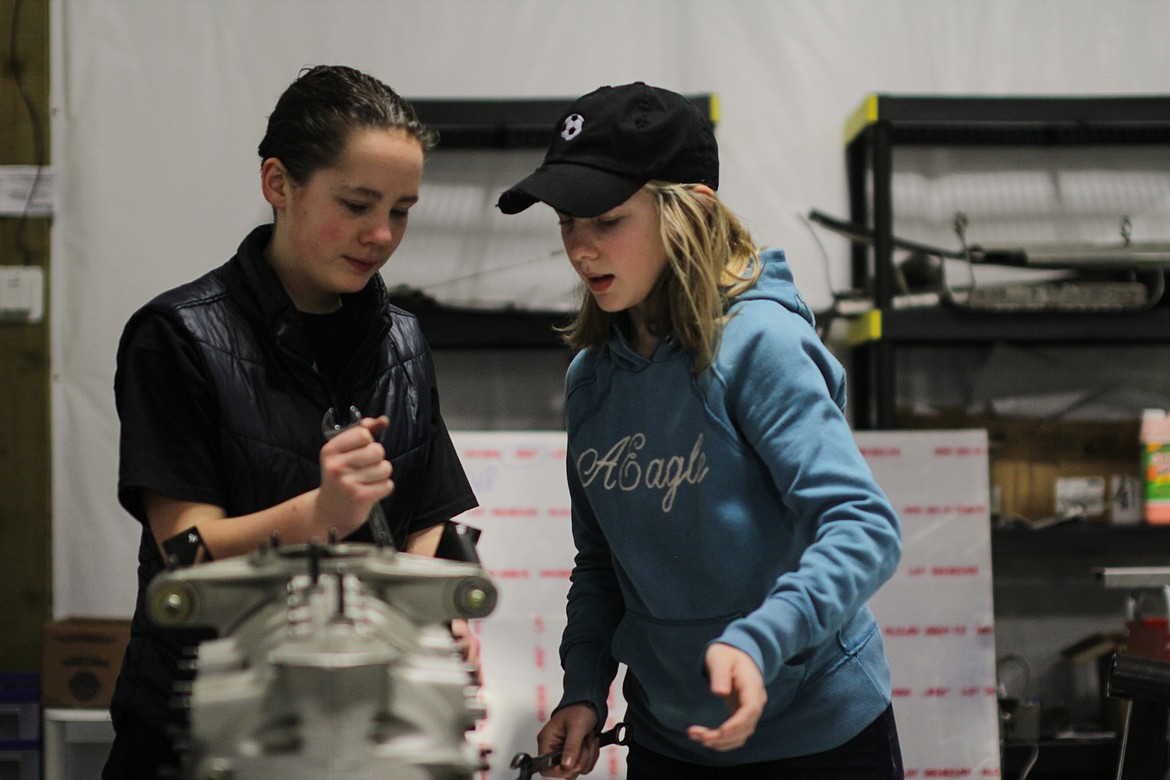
(530,766)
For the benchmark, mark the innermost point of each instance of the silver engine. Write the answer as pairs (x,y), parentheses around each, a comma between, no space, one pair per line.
(332,661)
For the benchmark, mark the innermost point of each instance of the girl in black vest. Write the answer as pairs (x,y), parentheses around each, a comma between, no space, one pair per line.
(222,383)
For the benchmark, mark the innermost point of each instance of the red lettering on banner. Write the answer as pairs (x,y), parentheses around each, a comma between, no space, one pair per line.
(560,511)
(555,574)
(911,773)
(541,702)
(511,574)
(514,511)
(613,763)
(538,624)
(527,453)
(940,570)
(912,510)
(900,693)
(962,451)
(954,571)
(946,630)
(559,454)
(985,630)
(881,452)
(488,453)
(990,773)
(538,657)
(936,692)
(932,630)
(948,772)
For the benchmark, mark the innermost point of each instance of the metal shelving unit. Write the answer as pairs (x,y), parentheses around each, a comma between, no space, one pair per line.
(885,122)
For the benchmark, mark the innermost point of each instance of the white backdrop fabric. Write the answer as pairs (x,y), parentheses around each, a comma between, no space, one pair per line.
(935,612)
(157,107)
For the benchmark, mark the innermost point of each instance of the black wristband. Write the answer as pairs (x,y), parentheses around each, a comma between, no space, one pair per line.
(183,548)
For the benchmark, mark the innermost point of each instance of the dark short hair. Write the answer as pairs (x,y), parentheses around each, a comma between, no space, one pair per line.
(315,115)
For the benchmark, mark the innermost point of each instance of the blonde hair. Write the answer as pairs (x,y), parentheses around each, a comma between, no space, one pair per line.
(710,259)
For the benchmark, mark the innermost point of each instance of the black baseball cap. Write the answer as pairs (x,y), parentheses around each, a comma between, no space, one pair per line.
(609,143)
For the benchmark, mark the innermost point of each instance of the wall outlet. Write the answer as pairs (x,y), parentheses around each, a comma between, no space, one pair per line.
(22,293)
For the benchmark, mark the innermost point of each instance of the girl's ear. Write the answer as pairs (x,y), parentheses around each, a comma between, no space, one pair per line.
(708,201)
(707,197)
(703,189)
(275,183)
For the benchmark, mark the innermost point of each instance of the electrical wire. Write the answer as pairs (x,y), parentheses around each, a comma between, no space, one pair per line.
(826,317)
(824,254)
(16,68)
(542,258)
(1032,759)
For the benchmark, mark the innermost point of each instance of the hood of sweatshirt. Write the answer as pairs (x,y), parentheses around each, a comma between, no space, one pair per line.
(776,284)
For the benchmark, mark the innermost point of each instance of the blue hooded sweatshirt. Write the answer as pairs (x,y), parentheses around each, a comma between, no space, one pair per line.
(735,507)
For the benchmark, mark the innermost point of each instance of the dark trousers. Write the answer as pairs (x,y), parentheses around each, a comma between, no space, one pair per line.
(874,754)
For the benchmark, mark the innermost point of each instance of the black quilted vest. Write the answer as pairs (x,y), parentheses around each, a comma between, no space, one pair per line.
(271,403)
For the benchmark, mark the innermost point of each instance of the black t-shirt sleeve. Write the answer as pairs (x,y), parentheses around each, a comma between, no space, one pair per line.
(167,414)
(445,491)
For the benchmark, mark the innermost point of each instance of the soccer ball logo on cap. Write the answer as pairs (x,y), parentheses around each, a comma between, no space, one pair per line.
(574,123)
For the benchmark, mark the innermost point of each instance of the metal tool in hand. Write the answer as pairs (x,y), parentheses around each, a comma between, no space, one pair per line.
(330,427)
(530,766)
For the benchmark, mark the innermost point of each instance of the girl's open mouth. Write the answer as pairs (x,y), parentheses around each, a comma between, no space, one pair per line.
(600,283)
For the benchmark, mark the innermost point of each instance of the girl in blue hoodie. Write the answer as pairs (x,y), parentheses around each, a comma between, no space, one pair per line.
(728,530)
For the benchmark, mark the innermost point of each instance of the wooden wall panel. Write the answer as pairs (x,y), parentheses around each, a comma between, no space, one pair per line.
(25,511)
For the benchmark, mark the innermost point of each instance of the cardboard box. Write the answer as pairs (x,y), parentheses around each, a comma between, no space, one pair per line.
(80,661)
(1033,461)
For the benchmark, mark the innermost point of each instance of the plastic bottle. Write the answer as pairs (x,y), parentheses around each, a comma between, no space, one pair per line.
(1155,435)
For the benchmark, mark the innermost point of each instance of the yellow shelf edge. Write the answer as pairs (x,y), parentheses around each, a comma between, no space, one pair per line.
(864,328)
(865,115)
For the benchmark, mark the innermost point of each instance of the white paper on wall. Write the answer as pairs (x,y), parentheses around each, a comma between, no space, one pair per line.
(936,611)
